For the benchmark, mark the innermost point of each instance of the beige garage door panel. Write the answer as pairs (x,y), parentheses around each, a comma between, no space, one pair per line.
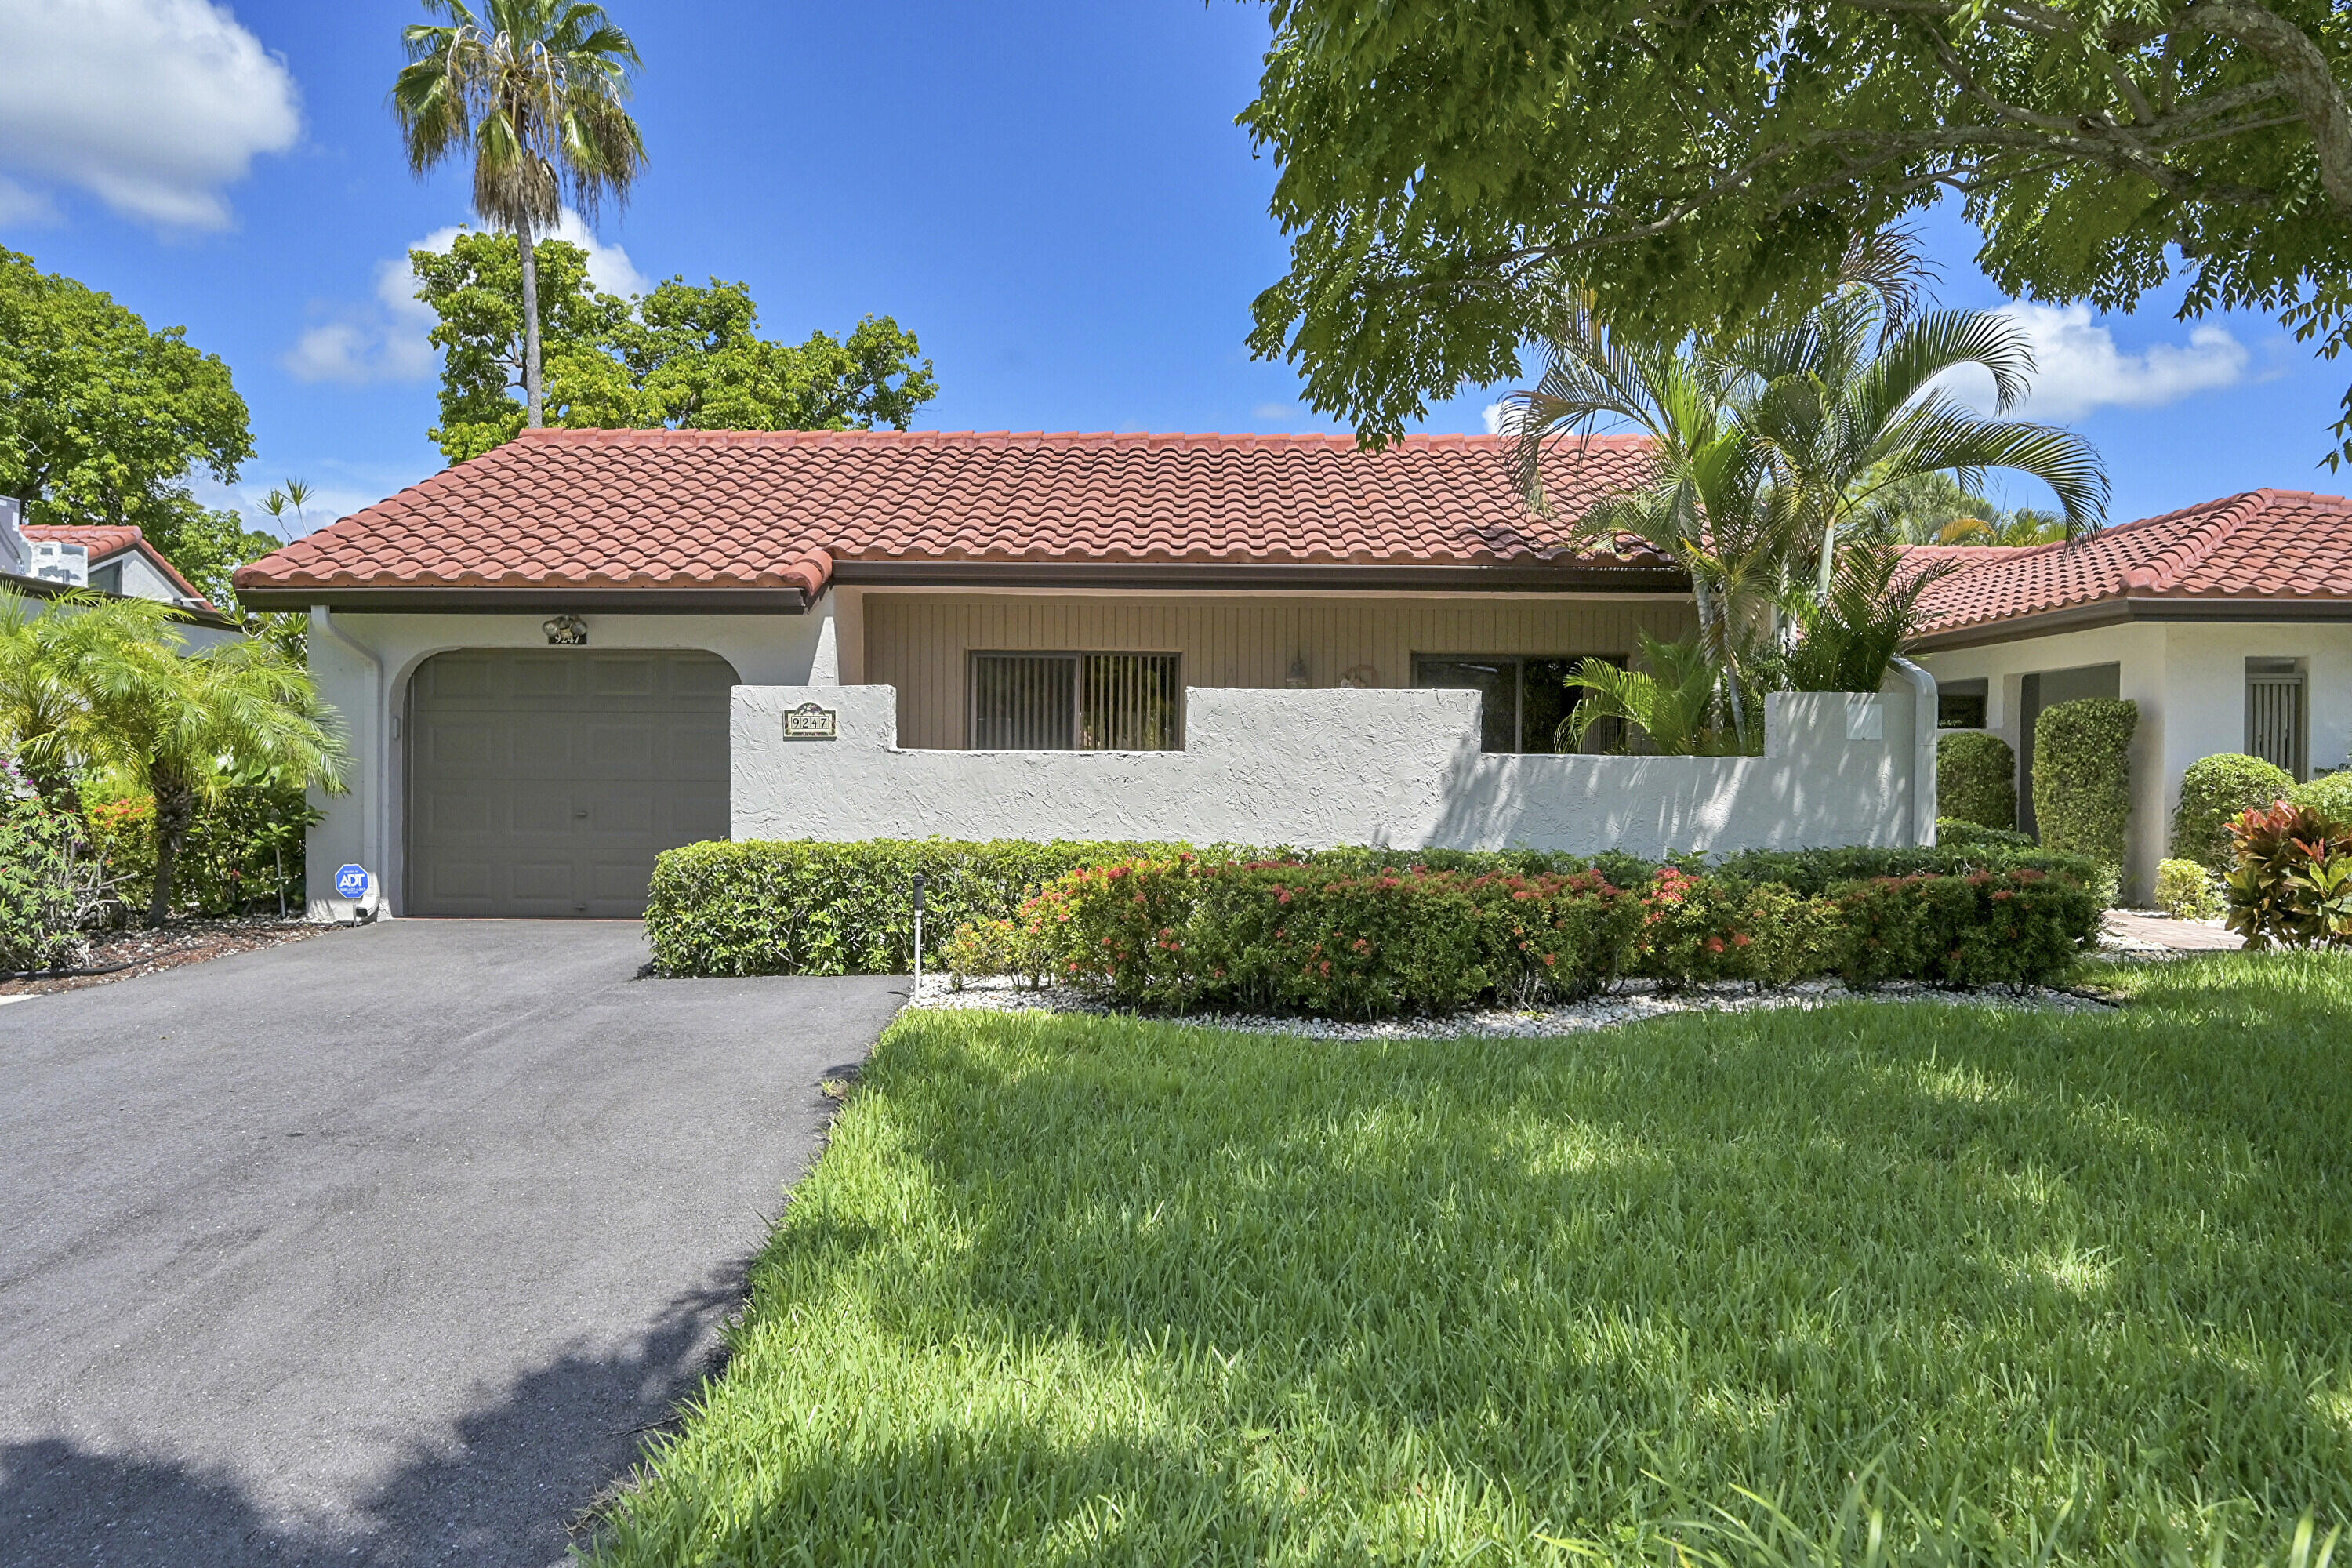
(543,784)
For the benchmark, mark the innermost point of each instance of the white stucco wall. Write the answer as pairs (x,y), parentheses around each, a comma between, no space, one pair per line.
(2189,680)
(363,663)
(1313,769)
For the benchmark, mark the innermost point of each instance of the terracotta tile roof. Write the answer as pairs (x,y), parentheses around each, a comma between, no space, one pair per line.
(104,540)
(2271,546)
(744,510)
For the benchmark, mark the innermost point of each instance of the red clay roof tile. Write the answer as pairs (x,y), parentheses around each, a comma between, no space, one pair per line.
(2263,545)
(776,509)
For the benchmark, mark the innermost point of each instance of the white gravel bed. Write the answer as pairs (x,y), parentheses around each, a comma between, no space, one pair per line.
(1636,1001)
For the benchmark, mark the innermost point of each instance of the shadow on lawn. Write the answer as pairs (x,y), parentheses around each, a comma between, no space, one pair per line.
(523,1467)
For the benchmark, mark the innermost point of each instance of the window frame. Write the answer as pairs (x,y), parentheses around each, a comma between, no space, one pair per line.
(1076,660)
(1518,689)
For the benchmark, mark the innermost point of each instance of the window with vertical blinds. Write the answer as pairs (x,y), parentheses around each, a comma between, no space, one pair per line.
(1076,701)
(2274,721)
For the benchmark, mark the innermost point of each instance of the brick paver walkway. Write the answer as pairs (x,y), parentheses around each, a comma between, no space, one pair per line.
(2130,929)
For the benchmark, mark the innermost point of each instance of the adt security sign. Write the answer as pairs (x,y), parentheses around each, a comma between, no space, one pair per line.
(353,882)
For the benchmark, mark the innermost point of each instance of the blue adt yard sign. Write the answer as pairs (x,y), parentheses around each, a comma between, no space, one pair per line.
(353,882)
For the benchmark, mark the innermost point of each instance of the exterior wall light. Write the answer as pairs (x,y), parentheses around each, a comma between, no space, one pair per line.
(565,631)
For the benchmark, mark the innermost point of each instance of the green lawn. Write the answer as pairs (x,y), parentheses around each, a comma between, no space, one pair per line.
(1081,1291)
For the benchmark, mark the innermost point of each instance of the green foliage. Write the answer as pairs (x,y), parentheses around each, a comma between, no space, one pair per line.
(1896,1286)
(2082,776)
(1668,704)
(1181,933)
(102,420)
(2330,795)
(243,853)
(2188,891)
(2292,886)
(681,358)
(87,685)
(804,908)
(2214,790)
(1953,834)
(1692,166)
(51,885)
(752,907)
(1975,779)
(1988,928)
(1849,639)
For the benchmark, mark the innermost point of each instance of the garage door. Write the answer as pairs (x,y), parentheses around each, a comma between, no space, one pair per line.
(543,784)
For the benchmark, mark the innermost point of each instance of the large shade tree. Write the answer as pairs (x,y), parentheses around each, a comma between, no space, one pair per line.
(1692,160)
(535,91)
(684,356)
(104,420)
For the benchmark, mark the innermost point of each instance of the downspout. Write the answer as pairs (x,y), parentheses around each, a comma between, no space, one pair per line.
(1923,750)
(322,623)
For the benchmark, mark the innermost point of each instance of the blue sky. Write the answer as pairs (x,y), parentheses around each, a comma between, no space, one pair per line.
(1053,196)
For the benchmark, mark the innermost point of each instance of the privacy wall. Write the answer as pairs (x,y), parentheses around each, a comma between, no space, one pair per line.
(1317,768)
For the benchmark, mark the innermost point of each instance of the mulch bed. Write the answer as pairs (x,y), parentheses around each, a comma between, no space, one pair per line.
(170,947)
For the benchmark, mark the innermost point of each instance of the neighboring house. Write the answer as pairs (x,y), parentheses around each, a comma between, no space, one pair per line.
(41,561)
(2230,624)
(1255,637)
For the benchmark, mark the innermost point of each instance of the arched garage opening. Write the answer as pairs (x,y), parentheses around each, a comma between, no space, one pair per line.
(543,782)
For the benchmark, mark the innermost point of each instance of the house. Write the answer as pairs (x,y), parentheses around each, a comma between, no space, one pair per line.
(2230,624)
(45,561)
(586,646)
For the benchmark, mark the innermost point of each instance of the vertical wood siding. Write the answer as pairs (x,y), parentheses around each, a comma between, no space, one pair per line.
(921,643)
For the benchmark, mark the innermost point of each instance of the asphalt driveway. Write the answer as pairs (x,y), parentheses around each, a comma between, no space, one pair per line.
(385,1246)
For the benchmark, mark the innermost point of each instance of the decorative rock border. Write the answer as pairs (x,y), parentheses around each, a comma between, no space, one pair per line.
(1637,1001)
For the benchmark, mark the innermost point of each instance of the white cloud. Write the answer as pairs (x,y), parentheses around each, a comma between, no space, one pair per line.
(2079,369)
(1493,415)
(385,339)
(152,105)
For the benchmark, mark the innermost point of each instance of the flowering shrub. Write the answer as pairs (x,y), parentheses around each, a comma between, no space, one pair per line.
(2293,884)
(1294,935)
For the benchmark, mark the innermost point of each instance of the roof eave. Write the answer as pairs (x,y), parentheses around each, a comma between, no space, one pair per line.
(1581,578)
(448,599)
(42,588)
(2118,610)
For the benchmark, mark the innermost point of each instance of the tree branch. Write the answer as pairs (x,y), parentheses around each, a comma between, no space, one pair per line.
(2306,75)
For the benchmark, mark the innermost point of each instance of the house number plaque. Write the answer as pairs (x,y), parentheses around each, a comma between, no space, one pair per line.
(810,723)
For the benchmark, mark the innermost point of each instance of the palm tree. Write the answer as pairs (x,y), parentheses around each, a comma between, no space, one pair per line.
(95,683)
(535,88)
(1847,402)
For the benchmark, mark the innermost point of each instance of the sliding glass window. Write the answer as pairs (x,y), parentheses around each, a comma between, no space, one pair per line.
(1527,700)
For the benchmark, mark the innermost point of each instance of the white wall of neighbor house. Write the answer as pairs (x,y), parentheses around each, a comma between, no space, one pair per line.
(1314,769)
(2188,679)
(364,661)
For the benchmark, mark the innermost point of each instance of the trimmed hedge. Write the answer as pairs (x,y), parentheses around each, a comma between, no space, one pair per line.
(1954,835)
(1293,936)
(2214,790)
(2329,796)
(2186,890)
(803,908)
(1975,779)
(2082,776)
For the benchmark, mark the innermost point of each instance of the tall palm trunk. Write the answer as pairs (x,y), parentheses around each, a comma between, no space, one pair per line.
(175,813)
(534,405)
